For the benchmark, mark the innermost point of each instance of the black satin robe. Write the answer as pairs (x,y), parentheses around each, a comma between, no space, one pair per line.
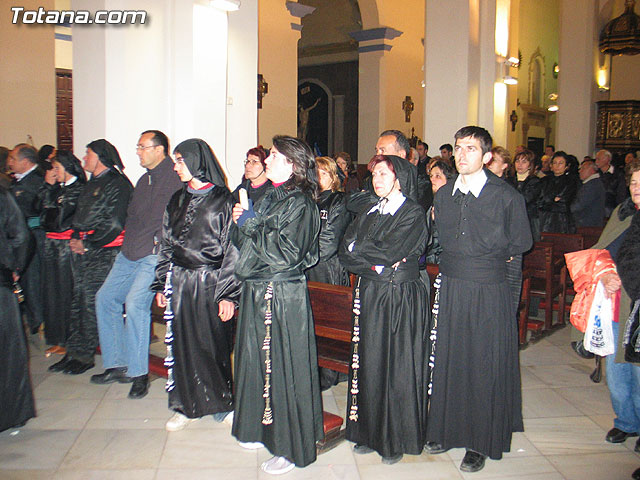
(393,342)
(16,396)
(334,220)
(197,249)
(530,190)
(276,247)
(555,215)
(58,206)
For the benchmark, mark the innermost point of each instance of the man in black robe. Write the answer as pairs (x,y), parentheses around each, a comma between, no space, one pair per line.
(23,162)
(15,386)
(476,401)
(98,225)
(125,345)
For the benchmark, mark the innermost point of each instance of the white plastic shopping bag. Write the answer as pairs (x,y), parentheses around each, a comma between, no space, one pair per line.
(598,337)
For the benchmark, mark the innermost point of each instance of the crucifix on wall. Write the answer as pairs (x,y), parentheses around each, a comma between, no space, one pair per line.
(407,106)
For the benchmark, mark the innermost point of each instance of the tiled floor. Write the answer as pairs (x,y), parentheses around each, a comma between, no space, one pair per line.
(86,431)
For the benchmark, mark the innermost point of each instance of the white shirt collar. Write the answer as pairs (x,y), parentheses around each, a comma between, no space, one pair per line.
(475,185)
(610,169)
(591,177)
(391,206)
(70,181)
(20,176)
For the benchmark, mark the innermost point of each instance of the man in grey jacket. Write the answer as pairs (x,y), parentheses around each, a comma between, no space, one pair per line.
(588,207)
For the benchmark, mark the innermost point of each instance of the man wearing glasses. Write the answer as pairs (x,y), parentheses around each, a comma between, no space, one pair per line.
(125,344)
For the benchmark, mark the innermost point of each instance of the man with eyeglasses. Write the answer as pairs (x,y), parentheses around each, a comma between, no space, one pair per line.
(125,344)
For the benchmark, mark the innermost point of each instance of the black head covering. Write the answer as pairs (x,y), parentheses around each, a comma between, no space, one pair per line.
(201,161)
(71,164)
(407,174)
(107,154)
(44,152)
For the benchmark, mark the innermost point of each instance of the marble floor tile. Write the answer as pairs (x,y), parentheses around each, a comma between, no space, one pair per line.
(542,354)
(563,375)
(325,472)
(529,379)
(546,402)
(410,471)
(591,400)
(35,449)
(26,474)
(248,473)
(131,474)
(566,436)
(116,449)
(206,449)
(62,414)
(602,466)
(117,391)
(513,467)
(67,387)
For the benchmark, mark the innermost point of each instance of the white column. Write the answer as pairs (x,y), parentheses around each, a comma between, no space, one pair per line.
(576,80)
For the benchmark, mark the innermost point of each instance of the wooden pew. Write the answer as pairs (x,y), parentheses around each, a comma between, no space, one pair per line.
(591,235)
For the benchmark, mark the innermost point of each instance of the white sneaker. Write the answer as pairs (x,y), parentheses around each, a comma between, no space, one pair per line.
(229,419)
(251,445)
(277,466)
(178,422)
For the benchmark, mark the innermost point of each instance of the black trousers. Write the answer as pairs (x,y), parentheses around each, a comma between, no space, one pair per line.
(32,280)
(89,272)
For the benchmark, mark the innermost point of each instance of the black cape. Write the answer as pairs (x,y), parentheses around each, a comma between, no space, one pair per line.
(387,399)
(197,249)
(334,220)
(476,402)
(276,247)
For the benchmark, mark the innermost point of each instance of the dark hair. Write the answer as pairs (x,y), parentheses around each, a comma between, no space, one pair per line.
(424,144)
(446,146)
(159,139)
(259,152)
(44,152)
(301,156)
(376,159)
(4,154)
(445,168)
(27,152)
(401,141)
(479,133)
(529,156)
(351,168)
(552,147)
(563,154)
(631,168)
(573,165)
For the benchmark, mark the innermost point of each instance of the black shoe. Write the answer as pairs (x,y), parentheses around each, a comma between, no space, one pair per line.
(61,365)
(578,347)
(112,375)
(472,461)
(433,448)
(392,460)
(637,447)
(362,449)
(615,435)
(636,474)
(140,386)
(76,367)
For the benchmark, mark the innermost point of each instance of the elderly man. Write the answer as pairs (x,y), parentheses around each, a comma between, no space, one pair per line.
(613,180)
(482,224)
(98,231)
(23,162)
(125,344)
(588,207)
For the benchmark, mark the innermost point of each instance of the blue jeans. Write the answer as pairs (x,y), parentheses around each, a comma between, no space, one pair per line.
(624,387)
(126,343)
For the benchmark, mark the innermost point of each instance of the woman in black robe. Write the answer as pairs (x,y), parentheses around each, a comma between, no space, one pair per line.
(557,193)
(387,401)
(528,184)
(334,220)
(196,284)
(15,385)
(59,200)
(278,402)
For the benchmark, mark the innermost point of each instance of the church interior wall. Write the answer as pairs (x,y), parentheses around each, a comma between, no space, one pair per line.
(27,80)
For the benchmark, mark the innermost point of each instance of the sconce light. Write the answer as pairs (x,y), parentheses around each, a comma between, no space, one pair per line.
(226,5)
(507,63)
(603,79)
(553,108)
(553,96)
(512,62)
(556,70)
(509,80)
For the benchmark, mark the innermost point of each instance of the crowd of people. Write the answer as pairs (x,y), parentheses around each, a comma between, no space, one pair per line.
(230,270)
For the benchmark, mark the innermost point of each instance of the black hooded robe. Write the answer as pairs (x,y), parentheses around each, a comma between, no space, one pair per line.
(276,247)
(15,384)
(387,399)
(476,400)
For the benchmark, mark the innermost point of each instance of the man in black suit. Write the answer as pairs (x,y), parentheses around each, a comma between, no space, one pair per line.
(614,182)
(23,162)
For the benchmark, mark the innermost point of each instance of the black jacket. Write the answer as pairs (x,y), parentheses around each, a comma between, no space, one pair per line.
(102,207)
(555,215)
(615,188)
(59,205)
(26,193)
(14,238)
(628,259)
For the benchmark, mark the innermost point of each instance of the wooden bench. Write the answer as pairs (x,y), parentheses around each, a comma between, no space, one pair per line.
(591,235)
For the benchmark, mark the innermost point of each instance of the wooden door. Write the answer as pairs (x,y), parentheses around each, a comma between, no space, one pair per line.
(64,108)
